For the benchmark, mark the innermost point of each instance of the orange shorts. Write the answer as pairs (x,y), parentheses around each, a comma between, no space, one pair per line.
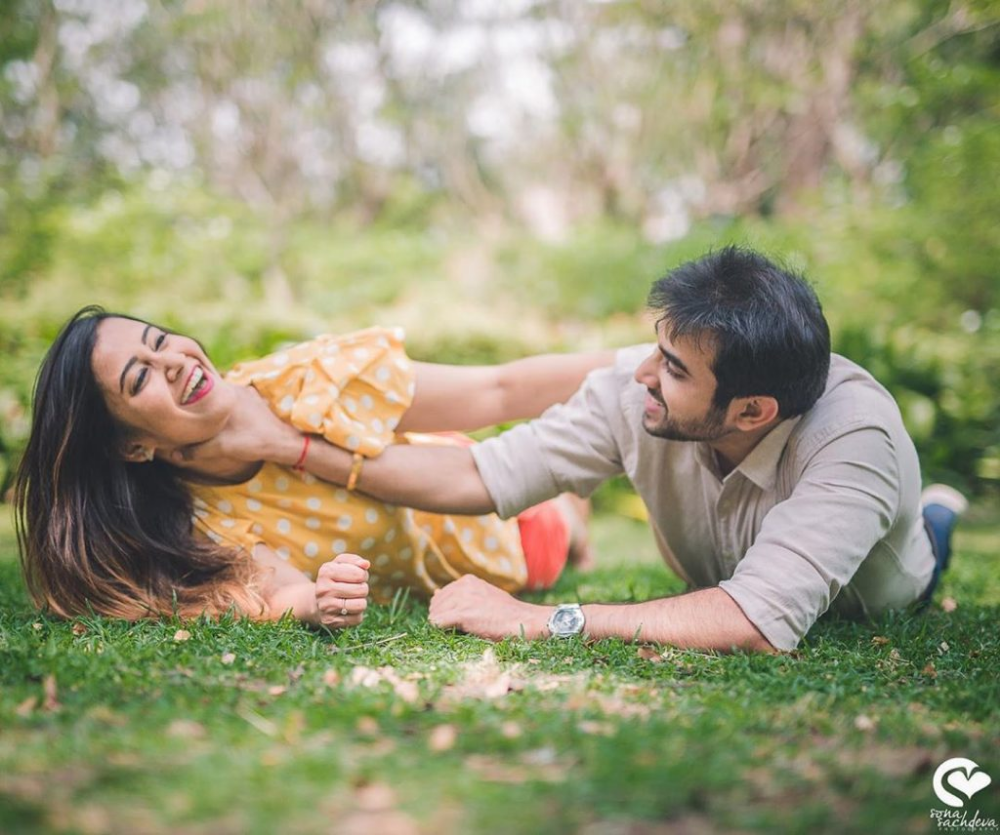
(545,542)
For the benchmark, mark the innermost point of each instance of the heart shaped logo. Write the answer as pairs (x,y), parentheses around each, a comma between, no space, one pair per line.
(969,785)
(962,775)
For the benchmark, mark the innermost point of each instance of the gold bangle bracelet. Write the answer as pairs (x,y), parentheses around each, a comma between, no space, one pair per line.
(357,462)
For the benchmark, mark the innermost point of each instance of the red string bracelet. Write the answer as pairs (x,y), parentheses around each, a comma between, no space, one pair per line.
(302,456)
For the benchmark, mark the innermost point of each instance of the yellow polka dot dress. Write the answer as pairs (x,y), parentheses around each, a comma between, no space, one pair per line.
(352,390)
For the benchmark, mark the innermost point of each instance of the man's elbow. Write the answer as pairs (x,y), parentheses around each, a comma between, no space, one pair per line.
(757,643)
(465,489)
(750,639)
(753,640)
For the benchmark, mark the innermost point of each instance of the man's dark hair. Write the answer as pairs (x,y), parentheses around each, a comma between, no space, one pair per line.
(764,322)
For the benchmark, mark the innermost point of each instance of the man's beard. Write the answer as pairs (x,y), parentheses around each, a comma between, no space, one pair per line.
(710,428)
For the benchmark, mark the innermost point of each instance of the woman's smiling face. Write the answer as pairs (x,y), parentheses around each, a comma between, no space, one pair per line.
(161,385)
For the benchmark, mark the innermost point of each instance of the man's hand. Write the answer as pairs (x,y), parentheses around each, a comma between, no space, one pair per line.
(252,433)
(474,606)
(342,591)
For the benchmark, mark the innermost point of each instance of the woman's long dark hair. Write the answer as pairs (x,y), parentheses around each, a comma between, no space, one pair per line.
(98,532)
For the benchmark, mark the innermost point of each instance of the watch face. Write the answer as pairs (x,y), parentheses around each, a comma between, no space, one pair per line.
(567,621)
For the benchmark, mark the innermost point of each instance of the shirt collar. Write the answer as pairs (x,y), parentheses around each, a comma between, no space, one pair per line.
(761,465)
(705,455)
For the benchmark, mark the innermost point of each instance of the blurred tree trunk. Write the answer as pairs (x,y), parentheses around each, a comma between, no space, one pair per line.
(811,134)
(45,128)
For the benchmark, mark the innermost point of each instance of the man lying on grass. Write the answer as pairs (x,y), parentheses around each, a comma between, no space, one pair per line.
(780,481)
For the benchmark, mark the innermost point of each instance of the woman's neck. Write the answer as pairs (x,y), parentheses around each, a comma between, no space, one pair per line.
(219,471)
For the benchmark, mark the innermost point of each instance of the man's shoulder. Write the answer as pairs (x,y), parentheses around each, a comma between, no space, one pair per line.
(853,400)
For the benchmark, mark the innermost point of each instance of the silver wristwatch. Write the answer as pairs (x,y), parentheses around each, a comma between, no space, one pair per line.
(566,621)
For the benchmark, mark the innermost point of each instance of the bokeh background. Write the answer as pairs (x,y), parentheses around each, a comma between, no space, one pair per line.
(507,176)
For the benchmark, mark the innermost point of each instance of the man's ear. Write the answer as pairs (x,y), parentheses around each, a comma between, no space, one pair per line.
(754,412)
(138,453)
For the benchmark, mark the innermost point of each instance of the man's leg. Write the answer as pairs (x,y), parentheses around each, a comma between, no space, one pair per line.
(942,507)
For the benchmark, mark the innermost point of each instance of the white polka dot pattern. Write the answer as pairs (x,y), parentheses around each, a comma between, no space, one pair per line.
(352,390)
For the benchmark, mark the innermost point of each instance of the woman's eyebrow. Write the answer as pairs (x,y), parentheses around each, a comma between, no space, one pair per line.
(132,361)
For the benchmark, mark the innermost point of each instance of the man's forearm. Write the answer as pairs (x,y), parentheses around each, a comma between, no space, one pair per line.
(439,479)
(705,619)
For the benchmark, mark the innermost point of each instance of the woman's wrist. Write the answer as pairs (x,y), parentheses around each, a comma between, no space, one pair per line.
(287,449)
(326,461)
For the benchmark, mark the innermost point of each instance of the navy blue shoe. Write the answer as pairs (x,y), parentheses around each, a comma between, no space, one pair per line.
(942,508)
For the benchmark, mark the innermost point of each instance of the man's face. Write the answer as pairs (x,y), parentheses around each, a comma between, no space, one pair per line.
(680,386)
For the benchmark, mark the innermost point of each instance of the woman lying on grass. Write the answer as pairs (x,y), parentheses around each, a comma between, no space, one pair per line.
(113,517)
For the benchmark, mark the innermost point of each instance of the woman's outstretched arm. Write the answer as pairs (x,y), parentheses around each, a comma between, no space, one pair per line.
(465,397)
(336,600)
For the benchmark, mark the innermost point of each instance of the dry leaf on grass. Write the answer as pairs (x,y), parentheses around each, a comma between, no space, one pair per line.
(592,728)
(362,676)
(79,629)
(228,658)
(376,812)
(510,730)
(889,760)
(880,640)
(541,766)
(295,724)
(104,714)
(865,723)
(255,720)
(368,726)
(930,670)
(375,797)
(949,604)
(186,729)
(50,702)
(482,679)
(27,706)
(182,635)
(367,677)
(442,738)
(650,654)
(331,678)
(276,689)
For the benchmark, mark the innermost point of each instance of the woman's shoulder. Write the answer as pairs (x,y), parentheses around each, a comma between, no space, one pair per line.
(353,348)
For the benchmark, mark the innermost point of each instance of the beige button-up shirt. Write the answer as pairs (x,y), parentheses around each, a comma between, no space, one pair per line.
(824,513)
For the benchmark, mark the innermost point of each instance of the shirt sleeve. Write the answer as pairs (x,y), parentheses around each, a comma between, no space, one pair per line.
(571,448)
(351,389)
(810,545)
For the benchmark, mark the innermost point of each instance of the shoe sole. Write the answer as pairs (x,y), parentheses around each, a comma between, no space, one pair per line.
(945,496)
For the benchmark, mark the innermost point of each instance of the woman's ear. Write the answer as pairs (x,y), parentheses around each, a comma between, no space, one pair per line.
(138,453)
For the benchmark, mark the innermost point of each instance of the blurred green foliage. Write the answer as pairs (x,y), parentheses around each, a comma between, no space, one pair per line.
(198,263)
(856,142)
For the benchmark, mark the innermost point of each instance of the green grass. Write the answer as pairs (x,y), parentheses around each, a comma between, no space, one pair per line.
(150,734)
